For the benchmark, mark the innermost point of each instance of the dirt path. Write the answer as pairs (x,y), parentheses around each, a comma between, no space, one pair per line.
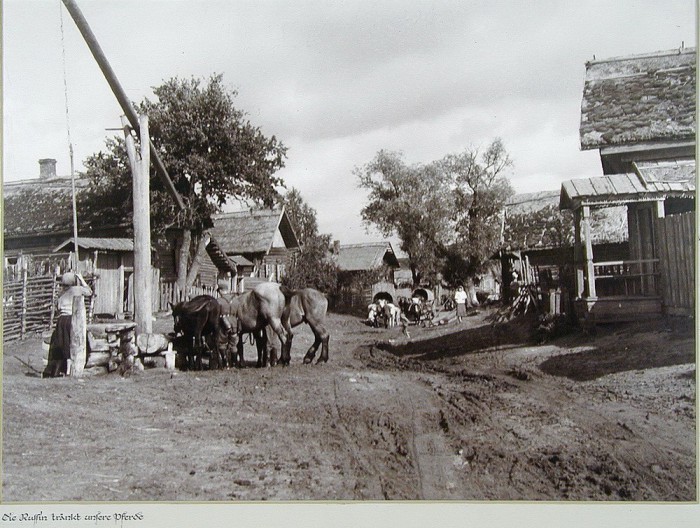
(466,413)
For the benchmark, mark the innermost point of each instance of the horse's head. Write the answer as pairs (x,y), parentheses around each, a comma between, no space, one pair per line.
(177,317)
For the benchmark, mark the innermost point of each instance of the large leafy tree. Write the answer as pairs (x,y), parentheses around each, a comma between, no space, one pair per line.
(412,202)
(312,265)
(447,213)
(481,192)
(213,154)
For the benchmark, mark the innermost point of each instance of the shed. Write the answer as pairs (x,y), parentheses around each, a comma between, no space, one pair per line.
(360,263)
(111,261)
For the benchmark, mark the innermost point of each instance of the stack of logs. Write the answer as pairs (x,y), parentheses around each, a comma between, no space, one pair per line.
(114,347)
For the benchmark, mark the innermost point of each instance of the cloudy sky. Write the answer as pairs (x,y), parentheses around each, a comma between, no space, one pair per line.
(335,80)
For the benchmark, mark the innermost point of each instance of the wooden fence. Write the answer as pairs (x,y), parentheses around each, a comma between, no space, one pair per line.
(675,243)
(27,305)
(169,293)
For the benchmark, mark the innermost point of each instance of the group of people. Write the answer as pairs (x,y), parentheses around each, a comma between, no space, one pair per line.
(59,360)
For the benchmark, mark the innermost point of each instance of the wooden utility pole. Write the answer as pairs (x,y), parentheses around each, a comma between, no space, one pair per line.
(142,284)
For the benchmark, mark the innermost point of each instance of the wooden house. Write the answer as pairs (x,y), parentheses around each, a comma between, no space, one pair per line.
(639,112)
(538,240)
(259,241)
(358,263)
(38,213)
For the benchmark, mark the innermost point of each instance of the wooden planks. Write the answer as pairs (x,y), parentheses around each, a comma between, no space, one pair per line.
(675,237)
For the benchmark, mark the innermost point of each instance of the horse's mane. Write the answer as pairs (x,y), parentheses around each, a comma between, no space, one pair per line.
(196,304)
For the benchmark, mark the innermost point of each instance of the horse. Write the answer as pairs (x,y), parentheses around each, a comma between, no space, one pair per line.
(253,311)
(306,306)
(196,319)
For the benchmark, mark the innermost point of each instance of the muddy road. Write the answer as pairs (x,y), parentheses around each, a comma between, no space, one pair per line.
(466,412)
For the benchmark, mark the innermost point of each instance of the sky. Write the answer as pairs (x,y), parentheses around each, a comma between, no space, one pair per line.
(336,81)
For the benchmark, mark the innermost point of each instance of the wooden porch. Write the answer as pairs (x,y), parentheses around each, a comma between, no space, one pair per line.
(654,280)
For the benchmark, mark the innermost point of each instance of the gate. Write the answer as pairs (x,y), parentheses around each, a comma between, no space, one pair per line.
(675,245)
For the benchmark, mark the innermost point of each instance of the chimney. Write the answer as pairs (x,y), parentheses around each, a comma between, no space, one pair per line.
(47,169)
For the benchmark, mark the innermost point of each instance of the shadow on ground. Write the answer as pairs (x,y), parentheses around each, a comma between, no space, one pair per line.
(474,340)
(626,348)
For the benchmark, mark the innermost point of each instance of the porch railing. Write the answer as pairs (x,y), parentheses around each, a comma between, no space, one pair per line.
(627,278)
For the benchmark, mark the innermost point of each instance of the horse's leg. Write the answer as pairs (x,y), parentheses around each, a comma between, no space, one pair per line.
(239,350)
(270,351)
(285,341)
(261,346)
(216,357)
(321,337)
(198,353)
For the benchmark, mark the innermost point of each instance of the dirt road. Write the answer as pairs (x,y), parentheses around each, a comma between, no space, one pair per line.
(467,413)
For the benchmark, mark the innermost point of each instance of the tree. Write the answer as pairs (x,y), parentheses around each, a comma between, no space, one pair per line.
(301,215)
(413,203)
(481,192)
(213,154)
(311,266)
(447,213)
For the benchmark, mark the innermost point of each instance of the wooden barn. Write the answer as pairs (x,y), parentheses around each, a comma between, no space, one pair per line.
(259,241)
(639,112)
(365,270)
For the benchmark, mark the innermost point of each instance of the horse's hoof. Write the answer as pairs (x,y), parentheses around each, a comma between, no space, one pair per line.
(308,360)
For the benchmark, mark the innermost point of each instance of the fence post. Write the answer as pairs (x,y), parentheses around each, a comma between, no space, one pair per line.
(78,337)
(23,324)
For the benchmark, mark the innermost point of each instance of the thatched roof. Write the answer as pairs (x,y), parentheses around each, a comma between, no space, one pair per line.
(36,207)
(639,98)
(361,257)
(219,258)
(534,221)
(253,232)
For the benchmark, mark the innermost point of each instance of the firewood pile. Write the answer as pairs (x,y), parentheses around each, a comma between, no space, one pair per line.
(528,300)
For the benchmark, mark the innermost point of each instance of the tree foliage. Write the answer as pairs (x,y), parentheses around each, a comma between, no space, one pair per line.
(411,202)
(212,152)
(481,192)
(447,213)
(301,215)
(311,266)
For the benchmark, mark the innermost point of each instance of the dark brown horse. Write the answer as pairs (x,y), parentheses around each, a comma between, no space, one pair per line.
(196,319)
(306,306)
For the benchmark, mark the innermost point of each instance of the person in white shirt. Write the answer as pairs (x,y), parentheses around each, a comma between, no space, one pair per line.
(461,302)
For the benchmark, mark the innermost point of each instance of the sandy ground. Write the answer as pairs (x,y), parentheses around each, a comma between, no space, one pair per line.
(470,412)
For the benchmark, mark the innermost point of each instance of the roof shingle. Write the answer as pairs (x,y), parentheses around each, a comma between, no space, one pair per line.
(361,257)
(253,231)
(639,98)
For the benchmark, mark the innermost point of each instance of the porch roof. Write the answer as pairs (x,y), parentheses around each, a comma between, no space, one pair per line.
(104,244)
(651,181)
